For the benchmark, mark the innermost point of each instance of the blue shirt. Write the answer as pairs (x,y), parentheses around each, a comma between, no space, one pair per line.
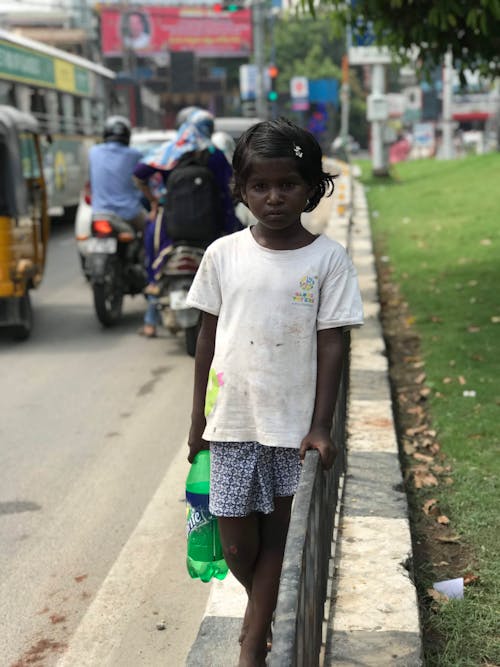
(111,167)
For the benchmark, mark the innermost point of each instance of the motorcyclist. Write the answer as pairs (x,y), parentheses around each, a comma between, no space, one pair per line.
(194,133)
(111,168)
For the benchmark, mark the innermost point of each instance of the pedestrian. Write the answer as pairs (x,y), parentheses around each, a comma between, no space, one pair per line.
(275,300)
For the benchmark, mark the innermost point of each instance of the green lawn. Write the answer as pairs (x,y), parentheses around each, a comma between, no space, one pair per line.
(438,227)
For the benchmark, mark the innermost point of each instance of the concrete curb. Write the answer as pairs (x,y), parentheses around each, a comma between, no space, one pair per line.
(374,616)
(373,607)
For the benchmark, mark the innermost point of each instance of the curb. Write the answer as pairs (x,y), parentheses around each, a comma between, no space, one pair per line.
(374,616)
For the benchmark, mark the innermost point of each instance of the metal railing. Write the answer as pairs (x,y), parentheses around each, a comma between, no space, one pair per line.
(298,625)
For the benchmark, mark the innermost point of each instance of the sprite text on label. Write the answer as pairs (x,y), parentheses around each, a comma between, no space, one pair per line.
(197,518)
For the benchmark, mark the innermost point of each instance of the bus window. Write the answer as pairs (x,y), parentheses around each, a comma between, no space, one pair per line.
(38,107)
(29,158)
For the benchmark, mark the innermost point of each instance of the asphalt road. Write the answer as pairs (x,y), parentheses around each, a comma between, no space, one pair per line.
(92,467)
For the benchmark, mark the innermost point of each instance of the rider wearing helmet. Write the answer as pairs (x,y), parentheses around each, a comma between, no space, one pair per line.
(194,134)
(111,167)
(183,114)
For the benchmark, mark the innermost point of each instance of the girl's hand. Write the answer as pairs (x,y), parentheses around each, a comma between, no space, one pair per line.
(195,441)
(319,438)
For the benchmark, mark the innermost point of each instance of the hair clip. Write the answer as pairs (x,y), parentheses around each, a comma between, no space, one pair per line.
(297,150)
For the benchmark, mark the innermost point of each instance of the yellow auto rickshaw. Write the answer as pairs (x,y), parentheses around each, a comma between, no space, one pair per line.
(24,220)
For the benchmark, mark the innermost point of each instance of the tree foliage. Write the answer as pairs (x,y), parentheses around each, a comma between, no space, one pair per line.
(470,29)
(312,48)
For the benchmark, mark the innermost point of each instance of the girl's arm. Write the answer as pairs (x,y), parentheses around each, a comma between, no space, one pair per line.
(330,358)
(203,359)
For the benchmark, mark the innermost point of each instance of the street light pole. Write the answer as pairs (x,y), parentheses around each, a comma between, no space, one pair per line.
(258,15)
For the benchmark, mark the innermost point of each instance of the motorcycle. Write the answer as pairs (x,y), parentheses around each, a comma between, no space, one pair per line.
(179,268)
(114,265)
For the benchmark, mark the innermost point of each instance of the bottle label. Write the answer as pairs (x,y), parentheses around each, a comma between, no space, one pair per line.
(197,518)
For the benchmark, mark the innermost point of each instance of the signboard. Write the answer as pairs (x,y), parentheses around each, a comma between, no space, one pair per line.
(369,55)
(22,64)
(155,30)
(299,92)
(248,82)
(377,108)
(423,135)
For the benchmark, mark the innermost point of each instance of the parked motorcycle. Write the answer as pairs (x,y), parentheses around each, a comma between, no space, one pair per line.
(181,264)
(114,265)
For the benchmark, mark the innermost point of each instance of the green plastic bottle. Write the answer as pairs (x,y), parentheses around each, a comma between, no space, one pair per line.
(204,551)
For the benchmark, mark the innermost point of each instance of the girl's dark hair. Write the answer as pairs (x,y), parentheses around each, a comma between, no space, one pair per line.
(281,138)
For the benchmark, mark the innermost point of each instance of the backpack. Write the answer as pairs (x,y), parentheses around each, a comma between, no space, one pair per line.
(193,206)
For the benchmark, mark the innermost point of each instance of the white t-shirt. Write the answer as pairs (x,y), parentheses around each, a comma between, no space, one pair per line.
(270,305)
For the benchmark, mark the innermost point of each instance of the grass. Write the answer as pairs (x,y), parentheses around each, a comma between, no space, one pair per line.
(437,226)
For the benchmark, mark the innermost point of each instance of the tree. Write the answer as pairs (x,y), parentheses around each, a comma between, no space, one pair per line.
(470,29)
(311,47)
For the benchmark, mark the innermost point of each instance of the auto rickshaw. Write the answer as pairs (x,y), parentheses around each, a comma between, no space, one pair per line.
(24,220)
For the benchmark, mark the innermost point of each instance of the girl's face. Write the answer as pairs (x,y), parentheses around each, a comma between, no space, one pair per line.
(276,193)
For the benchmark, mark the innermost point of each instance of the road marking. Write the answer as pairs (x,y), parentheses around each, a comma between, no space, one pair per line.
(122,592)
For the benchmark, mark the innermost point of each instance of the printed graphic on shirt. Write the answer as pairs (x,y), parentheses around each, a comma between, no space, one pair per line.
(305,295)
(215,382)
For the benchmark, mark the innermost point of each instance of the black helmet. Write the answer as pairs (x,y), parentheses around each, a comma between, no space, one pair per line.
(117,128)
(183,115)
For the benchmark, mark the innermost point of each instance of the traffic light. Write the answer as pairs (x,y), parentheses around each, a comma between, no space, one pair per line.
(272,94)
(229,6)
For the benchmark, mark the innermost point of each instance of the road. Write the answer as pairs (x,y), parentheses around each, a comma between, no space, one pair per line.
(92,467)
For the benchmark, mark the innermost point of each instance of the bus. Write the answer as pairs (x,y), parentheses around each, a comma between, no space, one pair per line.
(70,97)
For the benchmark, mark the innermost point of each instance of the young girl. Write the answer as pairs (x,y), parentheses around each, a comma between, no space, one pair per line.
(274,299)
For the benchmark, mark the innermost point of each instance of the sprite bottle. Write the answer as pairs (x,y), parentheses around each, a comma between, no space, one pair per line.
(204,551)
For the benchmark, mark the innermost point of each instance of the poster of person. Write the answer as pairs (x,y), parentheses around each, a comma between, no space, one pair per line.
(155,30)
(135,30)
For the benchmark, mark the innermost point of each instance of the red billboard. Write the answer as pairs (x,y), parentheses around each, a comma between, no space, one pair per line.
(159,30)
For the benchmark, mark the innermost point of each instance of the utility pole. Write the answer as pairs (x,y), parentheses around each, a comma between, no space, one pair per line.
(258,16)
(447,120)
(345,92)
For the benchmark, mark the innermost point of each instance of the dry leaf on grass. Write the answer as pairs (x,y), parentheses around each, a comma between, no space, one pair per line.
(422,477)
(420,378)
(415,430)
(443,520)
(408,448)
(462,380)
(423,457)
(473,329)
(436,595)
(470,578)
(429,506)
(448,539)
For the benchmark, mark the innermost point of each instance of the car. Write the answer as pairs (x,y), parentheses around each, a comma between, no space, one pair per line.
(234,125)
(144,141)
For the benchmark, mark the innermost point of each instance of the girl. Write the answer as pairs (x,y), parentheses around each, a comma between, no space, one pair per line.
(275,299)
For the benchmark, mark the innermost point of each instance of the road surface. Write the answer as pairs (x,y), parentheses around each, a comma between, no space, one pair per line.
(92,467)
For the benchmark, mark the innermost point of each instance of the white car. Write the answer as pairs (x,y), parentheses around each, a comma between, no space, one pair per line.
(144,141)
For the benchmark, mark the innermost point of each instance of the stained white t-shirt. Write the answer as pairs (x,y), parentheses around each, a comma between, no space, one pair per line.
(270,305)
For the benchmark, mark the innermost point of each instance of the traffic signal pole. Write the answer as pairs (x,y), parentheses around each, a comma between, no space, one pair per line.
(258,16)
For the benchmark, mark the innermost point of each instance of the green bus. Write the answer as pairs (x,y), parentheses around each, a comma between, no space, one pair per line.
(70,97)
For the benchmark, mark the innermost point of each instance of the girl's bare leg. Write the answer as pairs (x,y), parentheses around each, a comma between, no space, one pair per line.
(265,583)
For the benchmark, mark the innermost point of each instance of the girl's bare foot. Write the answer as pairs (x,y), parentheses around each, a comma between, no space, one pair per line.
(252,656)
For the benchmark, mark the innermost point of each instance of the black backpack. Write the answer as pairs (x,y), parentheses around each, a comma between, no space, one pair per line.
(193,205)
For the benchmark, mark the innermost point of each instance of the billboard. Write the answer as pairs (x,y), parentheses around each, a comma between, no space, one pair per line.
(151,30)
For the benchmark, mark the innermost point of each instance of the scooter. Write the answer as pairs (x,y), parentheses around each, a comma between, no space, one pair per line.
(179,268)
(114,265)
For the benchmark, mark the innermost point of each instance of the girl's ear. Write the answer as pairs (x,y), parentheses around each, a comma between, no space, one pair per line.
(243,197)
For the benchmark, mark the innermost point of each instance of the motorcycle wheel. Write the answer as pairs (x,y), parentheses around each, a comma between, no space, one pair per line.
(191,334)
(23,331)
(108,297)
